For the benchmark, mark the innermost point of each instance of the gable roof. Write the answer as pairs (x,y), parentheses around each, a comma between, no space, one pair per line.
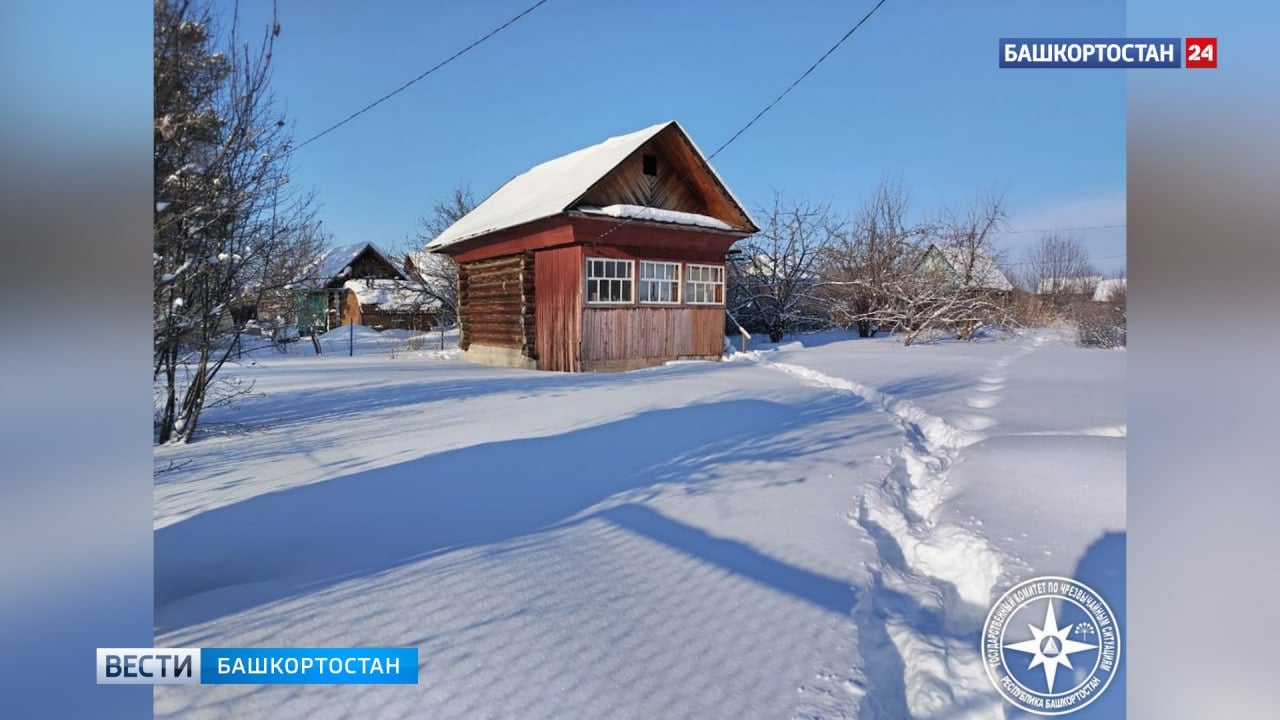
(330,265)
(391,294)
(559,185)
(986,273)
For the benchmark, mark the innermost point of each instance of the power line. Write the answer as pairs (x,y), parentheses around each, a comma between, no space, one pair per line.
(769,107)
(798,80)
(405,86)
(1024,263)
(1067,229)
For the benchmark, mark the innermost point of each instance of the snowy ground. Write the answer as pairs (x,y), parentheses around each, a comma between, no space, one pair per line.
(815,529)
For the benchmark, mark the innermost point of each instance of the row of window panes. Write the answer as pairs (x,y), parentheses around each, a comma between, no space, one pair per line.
(659,282)
(609,281)
(705,284)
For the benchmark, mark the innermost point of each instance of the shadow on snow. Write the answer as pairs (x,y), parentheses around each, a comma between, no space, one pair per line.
(295,541)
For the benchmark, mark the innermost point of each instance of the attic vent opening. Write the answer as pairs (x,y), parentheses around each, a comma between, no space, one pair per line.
(651,165)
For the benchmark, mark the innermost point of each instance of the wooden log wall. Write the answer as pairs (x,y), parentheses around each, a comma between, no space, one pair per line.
(496,303)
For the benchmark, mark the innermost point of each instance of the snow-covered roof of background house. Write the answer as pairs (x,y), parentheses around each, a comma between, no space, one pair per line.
(986,273)
(390,294)
(1073,285)
(1107,288)
(335,261)
(556,185)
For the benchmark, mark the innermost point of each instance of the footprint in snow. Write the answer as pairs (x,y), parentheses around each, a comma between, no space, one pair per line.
(982,402)
(973,422)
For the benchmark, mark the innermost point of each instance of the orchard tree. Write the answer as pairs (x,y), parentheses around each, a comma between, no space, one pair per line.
(1058,268)
(227,226)
(872,253)
(774,282)
(436,273)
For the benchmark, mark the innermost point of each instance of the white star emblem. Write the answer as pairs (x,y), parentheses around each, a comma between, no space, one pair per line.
(1050,646)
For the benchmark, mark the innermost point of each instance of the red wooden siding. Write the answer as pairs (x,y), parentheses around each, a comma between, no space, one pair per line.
(651,241)
(616,338)
(496,303)
(559,308)
(537,235)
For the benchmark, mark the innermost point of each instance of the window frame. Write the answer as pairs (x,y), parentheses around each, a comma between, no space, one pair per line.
(587,278)
(689,295)
(677,283)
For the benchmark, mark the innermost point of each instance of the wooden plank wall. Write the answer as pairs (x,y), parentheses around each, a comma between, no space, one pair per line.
(496,303)
(559,315)
(651,334)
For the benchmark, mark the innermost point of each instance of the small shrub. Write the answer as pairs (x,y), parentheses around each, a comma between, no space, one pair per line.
(1100,325)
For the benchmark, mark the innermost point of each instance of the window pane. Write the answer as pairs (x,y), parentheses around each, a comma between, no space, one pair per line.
(624,290)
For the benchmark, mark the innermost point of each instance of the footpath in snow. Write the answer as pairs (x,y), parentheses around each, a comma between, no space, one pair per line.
(806,531)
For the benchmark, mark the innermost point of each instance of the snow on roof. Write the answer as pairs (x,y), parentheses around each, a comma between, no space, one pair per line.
(986,273)
(545,190)
(427,263)
(552,187)
(1074,285)
(1108,288)
(774,268)
(640,212)
(334,261)
(390,294)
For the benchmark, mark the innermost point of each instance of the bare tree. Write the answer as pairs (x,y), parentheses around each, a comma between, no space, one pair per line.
(969,240)
(227,227)
(774,282)
(929,299)
(875,250)
(438,274)
(954,282)
(1059,268)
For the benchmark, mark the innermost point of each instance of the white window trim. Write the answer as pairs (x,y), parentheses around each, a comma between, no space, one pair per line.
(689,296)
(586,282)
(678,281)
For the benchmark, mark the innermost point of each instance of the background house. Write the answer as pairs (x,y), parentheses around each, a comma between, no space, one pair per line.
(359,284)
(608,258)
(964,268)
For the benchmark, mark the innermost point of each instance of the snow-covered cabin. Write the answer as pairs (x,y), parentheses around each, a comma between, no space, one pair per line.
(972,270)
(359,284)
(608,258)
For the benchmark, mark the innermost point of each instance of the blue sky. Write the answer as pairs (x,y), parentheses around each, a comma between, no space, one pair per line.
(916,94)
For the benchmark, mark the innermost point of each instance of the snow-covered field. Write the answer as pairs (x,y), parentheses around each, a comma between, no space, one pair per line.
(814,529)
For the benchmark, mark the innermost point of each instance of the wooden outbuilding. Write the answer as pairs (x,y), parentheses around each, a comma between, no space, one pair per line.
(608,258)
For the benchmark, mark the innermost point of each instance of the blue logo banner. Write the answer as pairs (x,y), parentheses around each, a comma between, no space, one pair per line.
(1129,53)
(309,666)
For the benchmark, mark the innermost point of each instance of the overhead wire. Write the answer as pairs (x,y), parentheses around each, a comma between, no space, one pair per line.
(420,76)
(798,80)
